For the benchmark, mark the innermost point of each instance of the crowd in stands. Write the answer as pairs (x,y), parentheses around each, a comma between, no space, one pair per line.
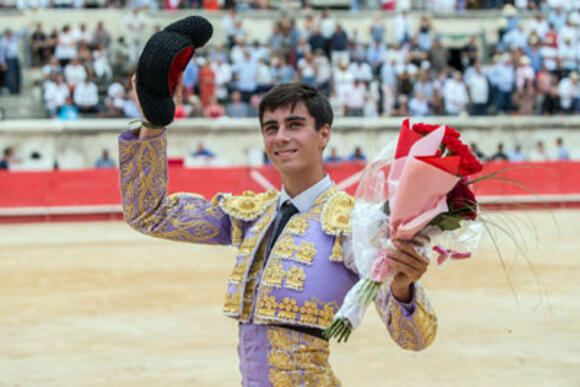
(532,70)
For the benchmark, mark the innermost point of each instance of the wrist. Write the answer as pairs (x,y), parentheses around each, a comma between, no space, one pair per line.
(402,291)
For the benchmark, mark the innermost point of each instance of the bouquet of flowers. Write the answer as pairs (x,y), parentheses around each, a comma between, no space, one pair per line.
(427,190)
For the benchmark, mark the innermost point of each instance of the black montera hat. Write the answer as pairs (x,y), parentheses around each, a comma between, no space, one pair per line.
(164,58)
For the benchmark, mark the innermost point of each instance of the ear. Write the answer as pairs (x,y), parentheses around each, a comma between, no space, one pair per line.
(324,136)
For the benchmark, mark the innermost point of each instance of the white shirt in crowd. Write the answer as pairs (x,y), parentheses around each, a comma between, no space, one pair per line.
(306,68)
(55,94)
(361,71)
(86,94)
(343,80)
(418,107)
(478,88)
(568,91)
(549,55)
(66,47)
(327,27)
(223,75)
(567,54)
(82,36)
(101,65)
(541,27)
(403,27)
(523,73)
(74,73)
(355,96)
(264,75)
(455,96)
(322,67)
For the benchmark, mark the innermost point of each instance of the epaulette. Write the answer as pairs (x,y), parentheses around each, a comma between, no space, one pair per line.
(248,206)
(335,219)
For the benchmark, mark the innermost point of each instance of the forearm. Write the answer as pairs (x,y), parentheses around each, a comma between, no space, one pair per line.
(412,325)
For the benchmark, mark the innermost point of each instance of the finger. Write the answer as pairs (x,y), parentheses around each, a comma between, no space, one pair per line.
(409,271)
(405,257)
(410,249)
(407,261)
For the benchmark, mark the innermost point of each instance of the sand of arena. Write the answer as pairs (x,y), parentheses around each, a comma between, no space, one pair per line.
(97,304)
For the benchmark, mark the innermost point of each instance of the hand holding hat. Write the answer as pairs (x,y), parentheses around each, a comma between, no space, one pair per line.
(162,62)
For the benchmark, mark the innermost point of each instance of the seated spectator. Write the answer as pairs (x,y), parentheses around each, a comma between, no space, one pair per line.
(360,70)
(105,161)
(357,155)
(55,95)
(477,152)
(370,107)
(74,73)
(333,157)
(567,55)
(202,151)
(130,109)
(66,46)
(264,76)
(418,105)
(306,70)
(401,106)
(323,72)
(206,80)
(7,157)
(214,109)
(517,155)
(562,152)
(52,68)
(355,99)
(86,96)
(101,37)
(499,154)
(38,46)
(539,153)
(68,111)
(283,72)
(101,67)
(527,98)
(237,108)
(223,77)
(569,92)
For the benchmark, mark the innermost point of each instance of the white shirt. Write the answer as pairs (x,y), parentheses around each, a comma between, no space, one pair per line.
(75,74)
(355,96)
(455,96)
(304,201)
(66,48)
(567,91)
(362,72)
(478,88)
(86,94)
(55,95)
(327,27)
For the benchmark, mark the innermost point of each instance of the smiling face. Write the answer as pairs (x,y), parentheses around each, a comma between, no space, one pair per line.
(293,144)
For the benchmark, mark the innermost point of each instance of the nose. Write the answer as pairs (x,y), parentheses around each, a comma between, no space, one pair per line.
(283,134)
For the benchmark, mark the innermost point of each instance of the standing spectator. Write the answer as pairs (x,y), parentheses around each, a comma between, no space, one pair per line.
(246,75)
(534,53)
(517,155)
(524,72)
(86,96)
(567,55)
(418,105)
(135,24)
(388,85)
(190,77)
(505,78)
(318,42)
(562,152)
(455,95)
(264,76)
(499,154)
(223,76)
(327,26)
(55,95)
(354,99)
(357,155)
(105,161)
(477,84)
(376,53)
(339,46)
(549,54)
(276,40)
(237,108)
(206,81)
(342,79)
(74,73)
(228,25)
(424,85)
(403,28)
(538,25)
(310,25)
(439,57)
(82,35)
(370,104)
(101,36)
(569,92)
(7,157)
(425,35)
(66,46)
(10,61)
(377,28)
(539,153)
(101,67)
(323,72)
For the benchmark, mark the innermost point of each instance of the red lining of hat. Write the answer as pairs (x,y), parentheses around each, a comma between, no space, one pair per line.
(178,66)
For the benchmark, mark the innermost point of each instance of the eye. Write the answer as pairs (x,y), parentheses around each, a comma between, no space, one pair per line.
(295,124)
(270,129)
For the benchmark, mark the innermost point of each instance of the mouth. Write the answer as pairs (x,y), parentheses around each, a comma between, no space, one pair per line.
(285,153)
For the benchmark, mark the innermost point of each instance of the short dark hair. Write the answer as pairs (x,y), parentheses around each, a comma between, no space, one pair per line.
(290,94)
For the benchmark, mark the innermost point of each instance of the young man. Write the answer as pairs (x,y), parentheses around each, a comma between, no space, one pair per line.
(288,278)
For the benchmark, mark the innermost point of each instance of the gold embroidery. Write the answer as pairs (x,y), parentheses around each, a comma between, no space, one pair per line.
(313,312)
(305,252)
(336,214)
(236,232)
(248,206)
(250,292)
(295,278)
(273,274)
(248,244)
(232,303)
(337,252)
(297,226)
(284,247)
(298,359)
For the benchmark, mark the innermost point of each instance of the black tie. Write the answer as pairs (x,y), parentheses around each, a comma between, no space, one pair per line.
(283,216)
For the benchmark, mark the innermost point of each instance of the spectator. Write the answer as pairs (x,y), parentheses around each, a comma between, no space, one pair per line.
(10,60)
(354,99)
(551,103)
(499,154)
(86,96)
(517,155)
(283,72)
(477,152)
(306,69)
(246,76)
(477,84)
(202,151)
(401,106)
(55,95)
(258,51)
(549,54)
(370,104)
(214,109)
(38,46)
(534,53)
(339,46)
(323,72)
(105,161)
(357,155)
(527,98)
(360,70)
(388,85)
(327,26)
(377,29)
(68,111)
(403,28)
(333,157)
(439,57)
(375,55)
(52,68)
(524,73)
(343,80)
(66,46)
(425,35)
(135,24)
(206,81)
(567,55)
(190,77)
(516,38)
(130,109)
(82,35)
(569,93)
(418,105)
(557,18)
(562,152)
(101,37)
(504,76)
(318,42)
(455,95)
(539,153)
(223,77)
(74,73)
(538,25)
(7,157)
(101,67)
(237,108)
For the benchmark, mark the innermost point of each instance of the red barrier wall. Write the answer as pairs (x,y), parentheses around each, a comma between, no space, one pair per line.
(101,187)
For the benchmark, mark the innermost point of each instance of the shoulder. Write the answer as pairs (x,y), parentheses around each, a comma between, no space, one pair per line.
(336,214)
(248,206)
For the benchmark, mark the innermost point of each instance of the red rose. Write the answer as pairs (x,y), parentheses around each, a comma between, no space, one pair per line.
(424,129)
(461,200)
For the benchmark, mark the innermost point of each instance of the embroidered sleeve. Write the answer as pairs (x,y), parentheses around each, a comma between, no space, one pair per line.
(147,207)
(412,326)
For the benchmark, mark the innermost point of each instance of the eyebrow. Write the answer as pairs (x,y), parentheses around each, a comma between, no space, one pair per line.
(287,119)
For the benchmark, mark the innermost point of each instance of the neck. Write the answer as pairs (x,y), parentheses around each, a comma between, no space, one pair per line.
(296,184)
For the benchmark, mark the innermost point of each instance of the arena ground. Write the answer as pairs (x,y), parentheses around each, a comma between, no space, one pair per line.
(96,304)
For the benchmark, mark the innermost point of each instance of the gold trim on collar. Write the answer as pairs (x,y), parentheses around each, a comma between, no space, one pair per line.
(336,214)
(248,206)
